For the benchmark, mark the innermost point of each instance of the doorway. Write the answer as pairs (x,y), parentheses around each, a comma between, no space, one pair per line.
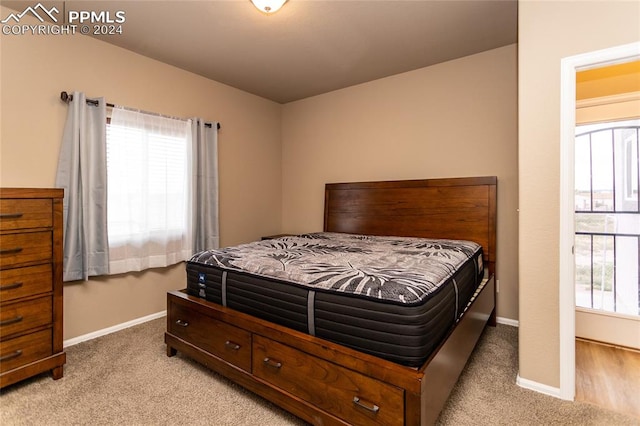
(607,227)
(569,67)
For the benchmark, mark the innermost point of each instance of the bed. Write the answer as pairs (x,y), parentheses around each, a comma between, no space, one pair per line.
(350,350)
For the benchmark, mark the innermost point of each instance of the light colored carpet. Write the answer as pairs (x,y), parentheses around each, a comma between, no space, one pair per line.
(126,378)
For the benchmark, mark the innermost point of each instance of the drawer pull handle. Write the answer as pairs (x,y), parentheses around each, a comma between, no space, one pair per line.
(272,363)
(12,320)
(182,323)
(366,405)
(11,215)
(11,250)
(232,345)
(12,355)
(11,286)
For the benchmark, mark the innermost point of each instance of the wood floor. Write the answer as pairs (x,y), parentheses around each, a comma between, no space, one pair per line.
(608,376)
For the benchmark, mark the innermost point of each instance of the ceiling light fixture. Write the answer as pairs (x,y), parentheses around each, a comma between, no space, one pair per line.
(268,6)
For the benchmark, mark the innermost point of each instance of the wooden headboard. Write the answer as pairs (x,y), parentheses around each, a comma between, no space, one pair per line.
(456,208)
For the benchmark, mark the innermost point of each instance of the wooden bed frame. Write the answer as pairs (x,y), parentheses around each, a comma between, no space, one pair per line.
(326,383)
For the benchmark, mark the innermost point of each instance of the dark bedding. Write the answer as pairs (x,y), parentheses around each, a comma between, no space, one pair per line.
(392,297)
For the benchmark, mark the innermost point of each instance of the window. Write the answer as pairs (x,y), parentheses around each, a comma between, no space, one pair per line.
(148,190)
(607,217)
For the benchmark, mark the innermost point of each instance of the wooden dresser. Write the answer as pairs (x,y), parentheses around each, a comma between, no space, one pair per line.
(30,283)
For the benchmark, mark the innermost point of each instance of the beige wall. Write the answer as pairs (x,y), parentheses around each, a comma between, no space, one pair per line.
(549,31)
(35,69)
(453,119)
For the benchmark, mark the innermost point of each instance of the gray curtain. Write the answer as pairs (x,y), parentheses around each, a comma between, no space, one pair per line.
(204,154)
(82,172)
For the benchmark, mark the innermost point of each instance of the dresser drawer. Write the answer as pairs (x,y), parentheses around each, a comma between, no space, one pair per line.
(349,395)
(22,316)
(225,341)
(21,282)
(25,248)
(25,349)
(25,213)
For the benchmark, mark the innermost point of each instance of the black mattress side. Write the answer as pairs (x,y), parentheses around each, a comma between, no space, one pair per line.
(205,282)
(273,301)
(405,334)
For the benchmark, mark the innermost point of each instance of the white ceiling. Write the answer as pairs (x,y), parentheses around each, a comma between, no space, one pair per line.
(309,47)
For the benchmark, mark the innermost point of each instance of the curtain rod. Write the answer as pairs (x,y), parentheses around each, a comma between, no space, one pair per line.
(66,98)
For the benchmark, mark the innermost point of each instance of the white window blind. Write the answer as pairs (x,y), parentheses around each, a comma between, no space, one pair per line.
(148,190)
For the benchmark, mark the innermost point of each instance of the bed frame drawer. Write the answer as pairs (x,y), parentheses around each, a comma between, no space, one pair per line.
(227,342)
(347,394)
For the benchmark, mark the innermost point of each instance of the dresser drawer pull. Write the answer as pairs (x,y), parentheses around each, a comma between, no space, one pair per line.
(366,405)
(11,250)
(12,355)
(271,363)
(12,320)
(232,345)
(11,215)
(11,286)
(182,323)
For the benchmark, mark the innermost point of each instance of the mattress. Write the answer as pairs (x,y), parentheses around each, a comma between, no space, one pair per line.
(392,297)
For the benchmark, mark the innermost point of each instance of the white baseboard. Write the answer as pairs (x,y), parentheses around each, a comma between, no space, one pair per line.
(538,387)
(508,321)
(526,383)
(113,329)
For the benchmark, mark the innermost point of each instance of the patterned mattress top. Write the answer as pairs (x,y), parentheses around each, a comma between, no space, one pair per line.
(396,269)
